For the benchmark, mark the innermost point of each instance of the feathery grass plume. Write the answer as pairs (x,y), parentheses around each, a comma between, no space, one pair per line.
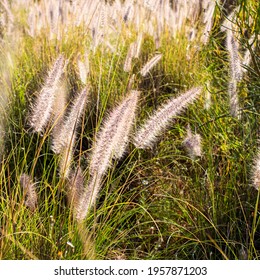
(42,109)
(108,144)
(256,172)
(150,64)
(83,69)
(129,57)
(233,98)
(192,144)
(59,108)
(235,72)
(138,45)
(125,126)
(65,160)
(151,4)
(128,12)
(208,17)
(88,198)
(31,200)
(130,83)
(69,127)
(103,16)
(234,56)
(10,16)
(86,61)
(76,187)
(230,19)
(64,143)
(155,125)
(6,6)
(7,66)
(2,135)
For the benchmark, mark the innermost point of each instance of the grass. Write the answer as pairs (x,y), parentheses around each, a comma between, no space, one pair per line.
(156,203)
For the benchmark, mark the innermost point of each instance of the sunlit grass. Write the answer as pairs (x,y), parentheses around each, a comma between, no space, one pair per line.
(154,204)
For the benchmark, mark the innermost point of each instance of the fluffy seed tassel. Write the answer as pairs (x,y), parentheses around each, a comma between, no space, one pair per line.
(155,125)
(114,134)
(42,109)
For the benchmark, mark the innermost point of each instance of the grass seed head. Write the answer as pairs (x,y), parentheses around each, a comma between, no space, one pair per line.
(148,133)
(43,106)
(256,172)
(113,135)
(31,197)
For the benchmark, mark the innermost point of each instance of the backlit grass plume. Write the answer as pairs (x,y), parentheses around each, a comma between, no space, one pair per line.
(111,143)
(234,56)
(113,135)
(150,64)
(69,127)
(129,57)
(125,126)
(28,186)
(88,198)
(59,107)
(235,70)
(256,172)
(147,134)
(83,68)
(64,142)
(42,109)
(75,186)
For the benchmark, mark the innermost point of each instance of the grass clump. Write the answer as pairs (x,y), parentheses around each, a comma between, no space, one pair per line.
(99,160)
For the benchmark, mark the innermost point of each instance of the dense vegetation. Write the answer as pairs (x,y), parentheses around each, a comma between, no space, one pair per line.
(192,192)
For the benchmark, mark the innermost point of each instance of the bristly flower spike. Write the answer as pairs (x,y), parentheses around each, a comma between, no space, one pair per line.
(68,129)
(42,109)
(113,135)
(256,172)
(150,64)
(112,140)
(147,134)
